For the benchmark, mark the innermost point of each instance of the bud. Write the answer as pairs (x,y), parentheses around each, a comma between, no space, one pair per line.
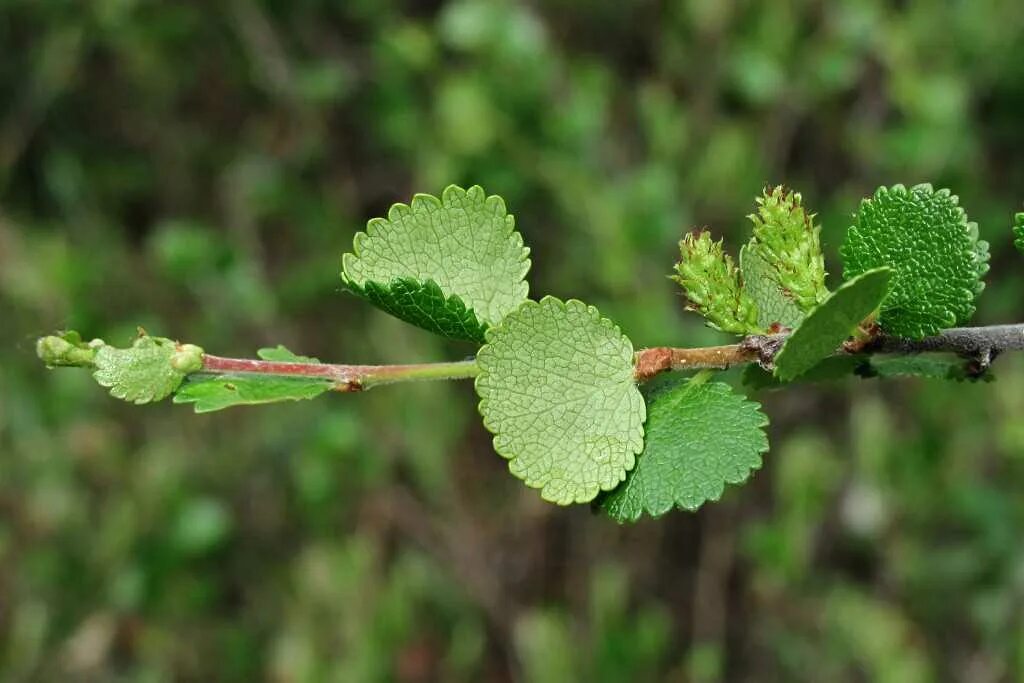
(66,349)
(187,358)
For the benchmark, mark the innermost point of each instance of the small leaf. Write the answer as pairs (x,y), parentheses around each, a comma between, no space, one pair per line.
(935,254)
(773,304)
(151,369)
(453,265)
(557,391)
(1018,231)
(831,323)
(713,285)
(216,392)
(786,237)
(282,354)
(699,437)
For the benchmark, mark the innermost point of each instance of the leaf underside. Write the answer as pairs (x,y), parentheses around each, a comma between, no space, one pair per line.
(141,373)
(831,323)
(208,393)
(453,265)
(773,305)
(937,259)
(699,437)
(557,391)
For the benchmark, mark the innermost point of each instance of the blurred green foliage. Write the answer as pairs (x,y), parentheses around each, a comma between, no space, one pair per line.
(198,168)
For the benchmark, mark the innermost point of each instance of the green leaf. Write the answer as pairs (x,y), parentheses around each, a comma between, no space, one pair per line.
(426,306)
(937,259)
(216,392)
(557,391)
(282,354)
(700,436)
(773,304)
(211,392)
(831,323)
(151,369)
(786,237)
(453,265)
(1018,231)
(713,285)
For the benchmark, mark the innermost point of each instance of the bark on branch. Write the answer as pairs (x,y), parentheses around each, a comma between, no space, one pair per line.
(979,345)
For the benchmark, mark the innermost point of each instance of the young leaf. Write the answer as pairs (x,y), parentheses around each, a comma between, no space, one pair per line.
(557,391)
(216,392)
(151,369)
(282,354)
(713,286)
(1018,231)
(786,237)
(935,254)
(831,323)
(774,306)
(453,265)
(699,437)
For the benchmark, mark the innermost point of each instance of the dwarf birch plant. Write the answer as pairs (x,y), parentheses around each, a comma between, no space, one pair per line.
(578,413)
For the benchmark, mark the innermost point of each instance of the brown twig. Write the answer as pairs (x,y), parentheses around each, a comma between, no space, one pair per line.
(979,345)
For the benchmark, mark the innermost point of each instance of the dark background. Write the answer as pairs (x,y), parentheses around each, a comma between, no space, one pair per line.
(199,167)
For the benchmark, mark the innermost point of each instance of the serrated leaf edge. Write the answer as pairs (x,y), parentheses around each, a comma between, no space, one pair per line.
(151,396)
(636,439)
(716,496)
(979,248)
(376,226)
(453,303)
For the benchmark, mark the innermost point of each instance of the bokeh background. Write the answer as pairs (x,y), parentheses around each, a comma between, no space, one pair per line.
(198,168)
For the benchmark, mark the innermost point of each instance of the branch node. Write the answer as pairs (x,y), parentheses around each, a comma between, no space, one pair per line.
(765,348)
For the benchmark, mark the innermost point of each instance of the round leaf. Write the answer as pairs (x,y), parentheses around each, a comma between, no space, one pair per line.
(557,391)
(453,265)
(699,437)
(937,259)
(140,374)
